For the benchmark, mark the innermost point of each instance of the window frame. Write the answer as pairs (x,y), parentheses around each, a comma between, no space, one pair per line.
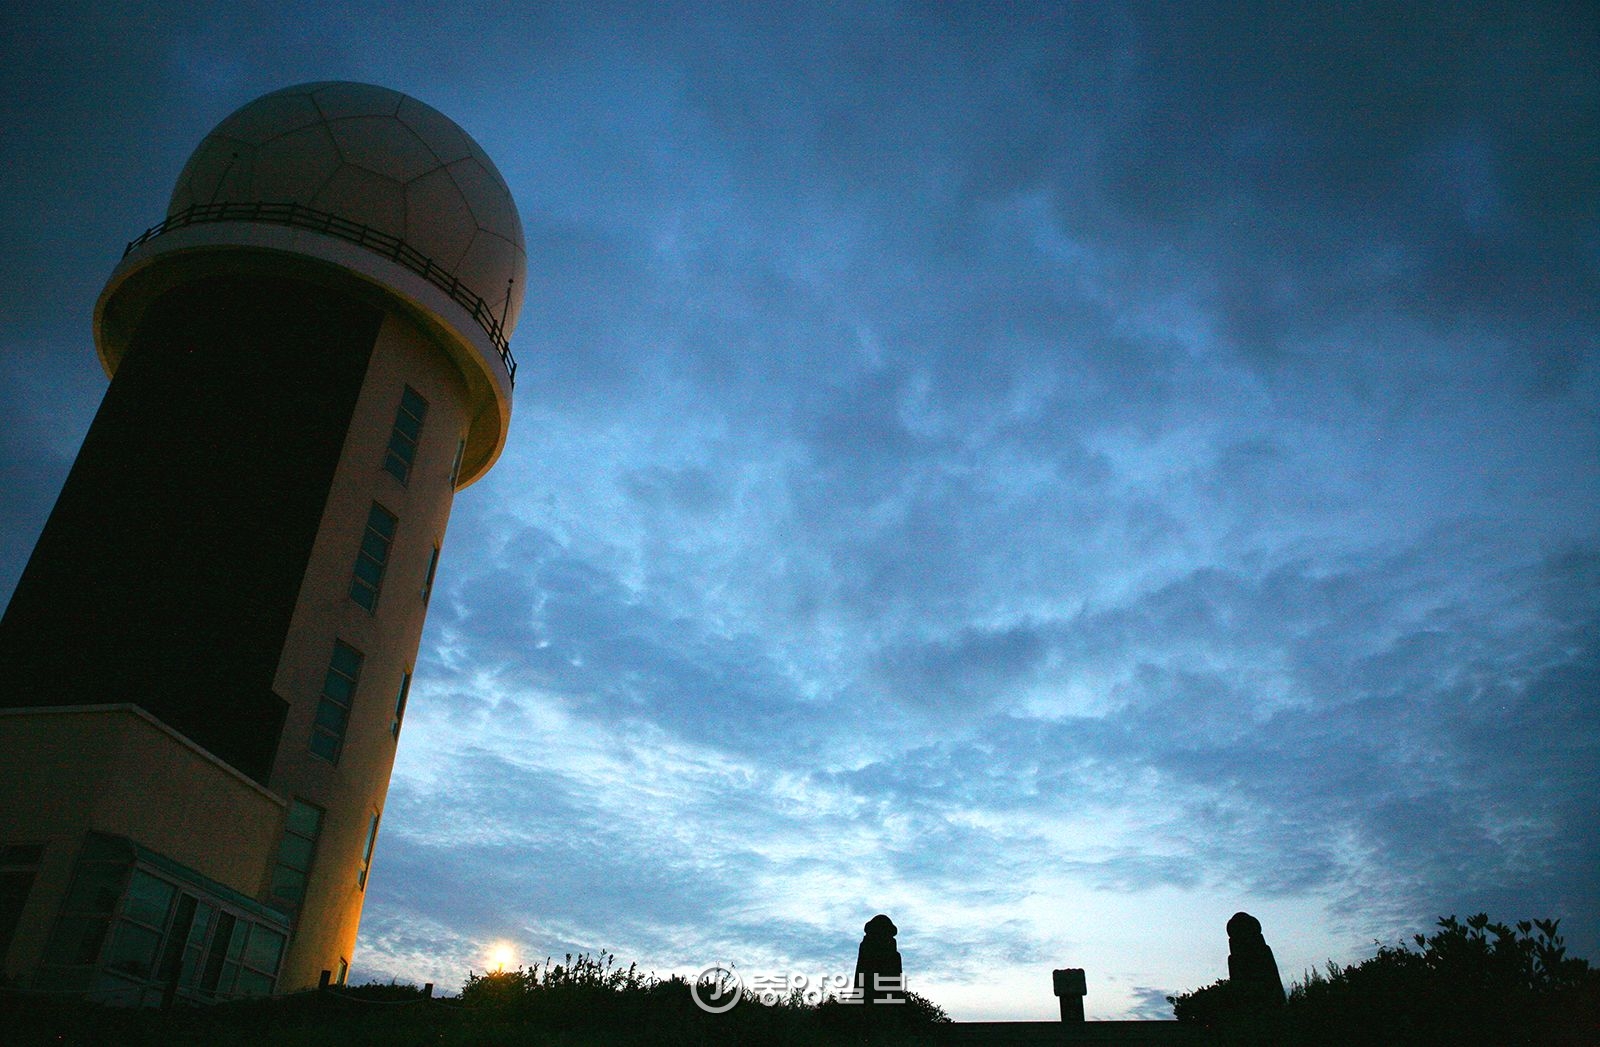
(400,698)
(332,718)
(405,436)
(365,867)
(19,867)
(433,569)
(293,904)
(455,466)
(377,537)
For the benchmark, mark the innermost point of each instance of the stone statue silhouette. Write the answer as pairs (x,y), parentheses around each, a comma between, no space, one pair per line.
(1251,966)
(878,974)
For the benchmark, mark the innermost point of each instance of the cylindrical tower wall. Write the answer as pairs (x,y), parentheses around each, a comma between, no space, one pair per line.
(347,778)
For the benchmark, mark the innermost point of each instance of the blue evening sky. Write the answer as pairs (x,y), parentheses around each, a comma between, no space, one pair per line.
(1056,474)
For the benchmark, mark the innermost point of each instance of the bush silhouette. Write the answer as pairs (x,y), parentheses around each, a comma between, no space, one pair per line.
(589,999)
(1471,982)
(585,1001)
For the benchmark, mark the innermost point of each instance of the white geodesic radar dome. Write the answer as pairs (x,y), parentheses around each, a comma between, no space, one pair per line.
(377,158)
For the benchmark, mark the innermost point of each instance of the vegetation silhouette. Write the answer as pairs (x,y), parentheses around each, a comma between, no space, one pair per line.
(1472,982)
(590,996)
(584,1001)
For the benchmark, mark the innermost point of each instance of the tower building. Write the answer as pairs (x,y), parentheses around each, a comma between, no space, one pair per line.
(205,665)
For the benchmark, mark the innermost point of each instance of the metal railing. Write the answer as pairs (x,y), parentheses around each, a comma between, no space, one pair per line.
(391,247)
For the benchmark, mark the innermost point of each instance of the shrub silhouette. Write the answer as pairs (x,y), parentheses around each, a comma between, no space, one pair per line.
(590,999)
(585,1001)
(1216,1005)
(555,990)
(1472,982)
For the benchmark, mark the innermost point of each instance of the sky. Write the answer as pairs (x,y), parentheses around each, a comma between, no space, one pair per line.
(1055,474)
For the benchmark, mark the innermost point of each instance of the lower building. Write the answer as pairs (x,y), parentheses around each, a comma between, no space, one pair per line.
(136,878)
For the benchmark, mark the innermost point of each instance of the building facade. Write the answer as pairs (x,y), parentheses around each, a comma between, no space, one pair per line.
(205,666)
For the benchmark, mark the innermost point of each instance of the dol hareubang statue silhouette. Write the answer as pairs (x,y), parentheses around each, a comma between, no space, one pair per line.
(1251,966)
(878,974)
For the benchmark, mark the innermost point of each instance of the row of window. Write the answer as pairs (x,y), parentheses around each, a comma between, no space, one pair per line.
(366,581)
(303,822)
(373,555)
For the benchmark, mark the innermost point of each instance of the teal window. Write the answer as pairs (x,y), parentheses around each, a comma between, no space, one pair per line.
(138,937)
(223,958)
(148,899)
(19,865)
(302,825)
(86,912)
(244,959)
(402,451)
(400,703)
(366,851)
(373,556)
(136,926)
(455,466)
(133,951)
(261,955)
(186,941)
(433,566)
(96,887)
(333,707)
